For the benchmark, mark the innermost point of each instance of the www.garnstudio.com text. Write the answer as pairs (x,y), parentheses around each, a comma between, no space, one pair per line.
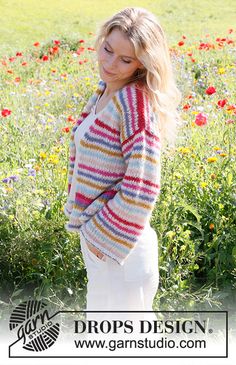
(146,343)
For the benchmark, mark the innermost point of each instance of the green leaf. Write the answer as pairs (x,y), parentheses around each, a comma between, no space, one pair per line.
(16,293)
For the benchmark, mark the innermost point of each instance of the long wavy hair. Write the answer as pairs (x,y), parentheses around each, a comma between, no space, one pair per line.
(157,78)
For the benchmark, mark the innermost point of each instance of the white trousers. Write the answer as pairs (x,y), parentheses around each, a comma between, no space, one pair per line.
(131,287)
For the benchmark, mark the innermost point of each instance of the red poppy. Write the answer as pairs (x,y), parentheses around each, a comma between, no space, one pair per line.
(221,103)
(66,129)
(36,44)
(18,54)
(57,42)
(186,106)
(5,112)
(81,41)
(181,43)
(70,119)
(210,90)
(12,59)
(54,50)
(24,64)
(45,58)
(201,119)
(17,79)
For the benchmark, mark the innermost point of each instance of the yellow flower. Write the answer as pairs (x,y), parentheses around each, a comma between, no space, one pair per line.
(11,217)
(57,149)
(203,184)
(37,167)
(8,189)
(53,159)
(184,150)
(216,148)
(170,234)
(47,92)
(63,170)
(178,176)
(221,70)
(36,214)
(69,106)
(76,95)
(212,159)
(223,154)
(42,155)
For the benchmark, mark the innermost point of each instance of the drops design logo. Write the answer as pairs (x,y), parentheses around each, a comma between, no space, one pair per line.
(34,325)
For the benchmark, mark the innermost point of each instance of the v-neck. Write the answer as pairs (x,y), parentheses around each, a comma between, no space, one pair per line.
(100,91)
(95,106)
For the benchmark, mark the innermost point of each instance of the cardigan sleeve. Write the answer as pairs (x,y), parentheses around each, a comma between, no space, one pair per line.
(117,226)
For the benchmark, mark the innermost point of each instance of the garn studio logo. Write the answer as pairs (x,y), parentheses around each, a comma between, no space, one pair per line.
(34,325)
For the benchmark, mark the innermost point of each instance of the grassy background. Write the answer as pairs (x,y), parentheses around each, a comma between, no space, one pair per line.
(24,22)
(197,263)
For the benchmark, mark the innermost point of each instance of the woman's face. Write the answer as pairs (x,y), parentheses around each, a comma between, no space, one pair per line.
(116,59)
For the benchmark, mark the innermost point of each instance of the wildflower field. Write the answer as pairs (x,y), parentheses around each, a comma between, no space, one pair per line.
(42,92)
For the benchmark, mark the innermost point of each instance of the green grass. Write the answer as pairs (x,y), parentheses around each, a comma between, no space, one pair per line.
(26,21)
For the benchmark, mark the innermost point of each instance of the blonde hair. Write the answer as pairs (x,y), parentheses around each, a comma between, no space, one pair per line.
(151,49)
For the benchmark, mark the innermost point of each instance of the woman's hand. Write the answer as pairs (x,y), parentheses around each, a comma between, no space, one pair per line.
(96,252)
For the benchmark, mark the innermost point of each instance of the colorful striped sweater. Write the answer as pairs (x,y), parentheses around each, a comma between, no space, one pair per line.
(118,174)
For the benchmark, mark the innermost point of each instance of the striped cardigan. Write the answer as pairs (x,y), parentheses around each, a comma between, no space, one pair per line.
(118,174)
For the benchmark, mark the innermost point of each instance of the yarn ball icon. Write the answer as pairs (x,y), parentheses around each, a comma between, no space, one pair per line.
(34,325)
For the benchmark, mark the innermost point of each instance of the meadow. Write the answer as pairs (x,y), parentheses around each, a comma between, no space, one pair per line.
(47,72)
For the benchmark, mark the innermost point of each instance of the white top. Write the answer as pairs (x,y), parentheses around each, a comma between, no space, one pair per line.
(79,133)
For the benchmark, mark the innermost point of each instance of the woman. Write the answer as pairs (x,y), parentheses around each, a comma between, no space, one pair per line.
(114,168)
